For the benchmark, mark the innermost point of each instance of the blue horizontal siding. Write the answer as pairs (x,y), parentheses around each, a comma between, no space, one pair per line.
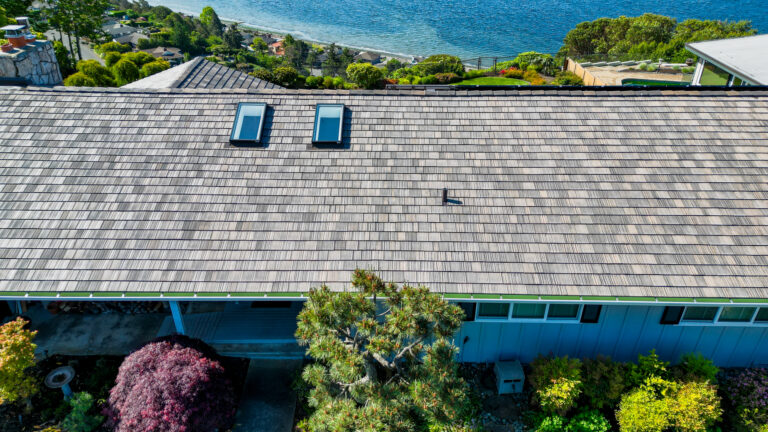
(624,331)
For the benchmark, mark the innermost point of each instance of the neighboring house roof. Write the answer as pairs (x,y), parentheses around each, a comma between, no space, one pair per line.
(368,57)
(132,39)
(118,29)
(573,193)
(167,53)
(201,73)
(746,57)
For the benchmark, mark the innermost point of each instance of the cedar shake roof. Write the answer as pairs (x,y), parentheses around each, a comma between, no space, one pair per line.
(201,73)
(591,193)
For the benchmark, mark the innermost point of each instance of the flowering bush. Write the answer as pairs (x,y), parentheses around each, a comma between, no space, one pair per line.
(171,384)
(746,392)
(556,383)
(533,77)
(512,73)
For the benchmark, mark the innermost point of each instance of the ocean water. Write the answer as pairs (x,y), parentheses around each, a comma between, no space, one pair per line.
(464,28)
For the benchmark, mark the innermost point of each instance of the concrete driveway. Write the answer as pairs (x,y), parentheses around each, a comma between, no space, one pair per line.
(268,403)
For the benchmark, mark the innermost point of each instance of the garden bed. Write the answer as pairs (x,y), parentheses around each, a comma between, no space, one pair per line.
(493,81)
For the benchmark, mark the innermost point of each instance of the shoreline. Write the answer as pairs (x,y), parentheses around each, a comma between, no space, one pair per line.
(406,58)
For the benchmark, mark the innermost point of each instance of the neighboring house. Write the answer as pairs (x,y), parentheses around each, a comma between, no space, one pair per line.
(117,30)
(368,57)
(277,48)
(201,73)
(131,39)
(731,62)
(172,55)
(564,222)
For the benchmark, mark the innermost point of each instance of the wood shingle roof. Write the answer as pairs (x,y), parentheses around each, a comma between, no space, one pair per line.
(554,193)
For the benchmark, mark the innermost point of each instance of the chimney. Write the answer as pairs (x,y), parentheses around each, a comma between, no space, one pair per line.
(34,62)
(16,35)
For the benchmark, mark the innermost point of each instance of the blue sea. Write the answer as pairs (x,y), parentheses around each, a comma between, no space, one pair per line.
(464,28)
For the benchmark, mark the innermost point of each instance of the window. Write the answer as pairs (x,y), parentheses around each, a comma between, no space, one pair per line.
(328,124)
(590,314)
(736,314)
(529,310)
(469,310)
(714,76)
(493,310)
(700,313)
(563,311)
(249,123)
(762,315)
(672,314)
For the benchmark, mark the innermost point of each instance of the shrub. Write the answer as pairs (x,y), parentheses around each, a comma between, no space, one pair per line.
(264,74)
(154,67)
(338,83)
(647,408)
(540,62)
(652,68)
(568,78)
(17,354)
(446,78)
(746,393)
(474,74)
(286,76)
(647,367)
(113,46)
(604,381)
(125,72)
(688,70)
(588,421)
(643,66)
(78,420)
(171,384)
(695,407)
(365,75)
(100,75)
(112,57)
(513,73)
(696,367)
(533,77)
(79,79)
(429,79)
(553,423)
(327,82)
(556,383)
(313,82)
(139,58)
(440,63)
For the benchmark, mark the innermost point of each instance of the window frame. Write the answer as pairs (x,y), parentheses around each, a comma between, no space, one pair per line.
(315,130)
(259,134)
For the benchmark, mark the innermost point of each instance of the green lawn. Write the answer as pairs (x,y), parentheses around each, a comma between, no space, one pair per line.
(493,81)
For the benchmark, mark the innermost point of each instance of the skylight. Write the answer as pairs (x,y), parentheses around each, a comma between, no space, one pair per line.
(328,124)
(249,123)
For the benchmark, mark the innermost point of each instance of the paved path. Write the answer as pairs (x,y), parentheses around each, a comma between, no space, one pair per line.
(268,403)
(85,49)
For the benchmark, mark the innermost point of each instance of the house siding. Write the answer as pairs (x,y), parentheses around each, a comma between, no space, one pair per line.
(622,333)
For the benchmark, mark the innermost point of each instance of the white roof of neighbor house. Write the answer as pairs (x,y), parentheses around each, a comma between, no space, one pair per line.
(746,57)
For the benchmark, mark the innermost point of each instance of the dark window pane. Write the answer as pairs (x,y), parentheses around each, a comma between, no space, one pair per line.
(529,310)
(563,311)
(469,310)
(736,314)
(590,314)
(762,315)
(699,313)
(672,314)
(494,310)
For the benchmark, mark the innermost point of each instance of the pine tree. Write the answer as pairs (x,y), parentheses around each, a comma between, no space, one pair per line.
(384,358)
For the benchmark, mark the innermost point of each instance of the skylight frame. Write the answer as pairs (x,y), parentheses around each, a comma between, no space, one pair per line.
(316,131)
(260,132)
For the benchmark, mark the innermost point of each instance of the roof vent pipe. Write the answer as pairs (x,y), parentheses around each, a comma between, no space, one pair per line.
(445,196)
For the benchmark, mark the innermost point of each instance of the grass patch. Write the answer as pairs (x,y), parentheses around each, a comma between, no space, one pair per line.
(493,81)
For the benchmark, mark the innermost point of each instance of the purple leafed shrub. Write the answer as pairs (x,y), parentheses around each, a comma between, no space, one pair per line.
(171,384)
(746,391)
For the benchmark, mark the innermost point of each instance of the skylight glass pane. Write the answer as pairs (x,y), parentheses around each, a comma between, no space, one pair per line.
(328,121)
(736,314)
(493,310)
(699,313)
(563,311)
(529,310)
(249,122)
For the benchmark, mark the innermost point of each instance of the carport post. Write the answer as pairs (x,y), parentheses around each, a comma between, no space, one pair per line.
(178,320)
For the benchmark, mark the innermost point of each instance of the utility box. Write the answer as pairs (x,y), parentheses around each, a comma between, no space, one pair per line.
(510,377)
